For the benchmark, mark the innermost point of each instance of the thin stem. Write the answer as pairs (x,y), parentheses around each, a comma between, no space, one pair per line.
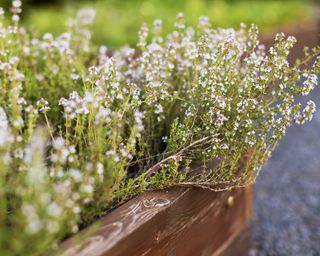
(49,127)
(158,165)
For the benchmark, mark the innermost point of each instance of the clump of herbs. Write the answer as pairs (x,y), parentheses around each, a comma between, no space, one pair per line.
(80,134)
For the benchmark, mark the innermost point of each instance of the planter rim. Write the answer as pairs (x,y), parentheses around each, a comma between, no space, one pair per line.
(150,221)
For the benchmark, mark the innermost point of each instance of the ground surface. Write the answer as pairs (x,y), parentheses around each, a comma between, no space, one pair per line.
(286,217)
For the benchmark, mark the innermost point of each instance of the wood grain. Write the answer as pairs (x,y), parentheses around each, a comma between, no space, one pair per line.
(180,221)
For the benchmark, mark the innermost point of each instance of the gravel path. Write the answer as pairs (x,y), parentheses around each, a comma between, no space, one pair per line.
(286,217)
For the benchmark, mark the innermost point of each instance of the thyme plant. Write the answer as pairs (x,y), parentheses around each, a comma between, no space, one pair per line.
(82,132)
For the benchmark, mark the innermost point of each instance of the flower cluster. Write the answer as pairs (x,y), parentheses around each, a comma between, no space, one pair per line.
(82,131)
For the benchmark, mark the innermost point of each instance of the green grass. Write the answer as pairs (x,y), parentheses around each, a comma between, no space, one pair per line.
(118,21)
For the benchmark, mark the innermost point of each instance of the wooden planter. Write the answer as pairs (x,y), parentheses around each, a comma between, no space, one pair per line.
(179,221)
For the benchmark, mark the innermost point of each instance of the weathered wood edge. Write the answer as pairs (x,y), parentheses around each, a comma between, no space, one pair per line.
(179,221)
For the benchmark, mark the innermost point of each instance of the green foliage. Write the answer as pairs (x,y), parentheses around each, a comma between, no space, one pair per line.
(117,21)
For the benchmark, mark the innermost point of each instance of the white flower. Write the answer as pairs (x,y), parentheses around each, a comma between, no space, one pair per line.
(16,3)
(110,152)
(123,152)
(34,226)
(309,84)
(47,37)
(87,188)
(119,96)
(5,135)
(54,210)
(116,158)
(42,102)
(103,115)
(103,50)
(139,119)
(15,18)
(59,143)
(75,229)
(39,77)
(76,210)
(100,168)
(3,119)
(14,60)
(159,109)
(164,139)
(74,76)
(93,70)
(76,174)
(86,16)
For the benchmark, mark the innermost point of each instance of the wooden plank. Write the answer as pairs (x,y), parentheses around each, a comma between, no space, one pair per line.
(238,245)
(180,221)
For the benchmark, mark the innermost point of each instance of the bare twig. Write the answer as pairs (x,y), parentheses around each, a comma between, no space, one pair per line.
(158,165)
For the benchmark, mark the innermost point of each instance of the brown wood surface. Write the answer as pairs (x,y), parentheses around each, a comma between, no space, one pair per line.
(180,221)
(238,246)
(306,35)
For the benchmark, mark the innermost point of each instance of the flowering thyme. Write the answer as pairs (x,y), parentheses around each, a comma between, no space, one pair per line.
(82,131)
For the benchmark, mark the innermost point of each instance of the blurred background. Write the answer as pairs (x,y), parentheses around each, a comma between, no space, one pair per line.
(118,21)
(287,195)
